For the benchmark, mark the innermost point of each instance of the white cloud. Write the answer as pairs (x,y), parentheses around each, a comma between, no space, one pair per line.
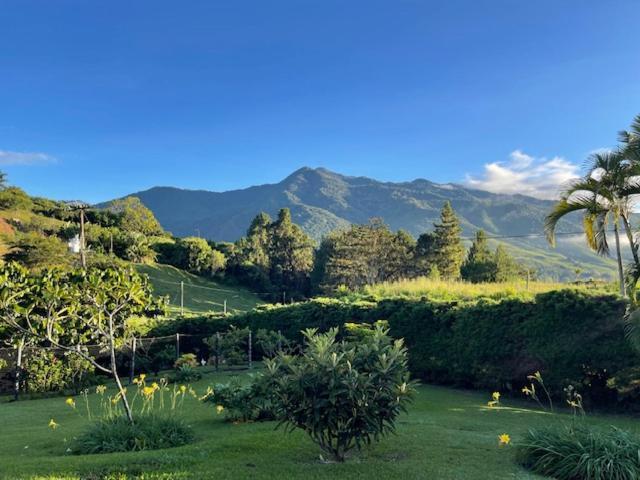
(25,158)
(534,176)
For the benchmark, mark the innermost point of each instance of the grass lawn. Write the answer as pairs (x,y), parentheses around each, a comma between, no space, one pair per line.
(448,434)
(200,295)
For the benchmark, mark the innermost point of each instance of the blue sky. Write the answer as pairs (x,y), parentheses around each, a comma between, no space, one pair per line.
(100,99)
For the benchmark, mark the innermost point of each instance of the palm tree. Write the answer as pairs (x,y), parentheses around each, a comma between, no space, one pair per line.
(631,141)
(605,196)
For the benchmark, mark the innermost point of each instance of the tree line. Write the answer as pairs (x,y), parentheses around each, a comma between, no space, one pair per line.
(279,257)
(275,257)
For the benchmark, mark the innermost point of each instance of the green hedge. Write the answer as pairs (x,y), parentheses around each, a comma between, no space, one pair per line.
(570,336)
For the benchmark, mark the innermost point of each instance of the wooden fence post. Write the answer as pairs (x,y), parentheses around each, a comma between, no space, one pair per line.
(250,352)
(217,351)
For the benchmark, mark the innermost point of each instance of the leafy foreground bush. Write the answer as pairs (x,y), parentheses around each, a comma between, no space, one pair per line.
(244,402)
(149,432)
(343,394)
(578,453)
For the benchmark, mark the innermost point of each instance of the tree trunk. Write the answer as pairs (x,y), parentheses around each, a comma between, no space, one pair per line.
(18,375)
(619,258)
(632,244)
(114,372)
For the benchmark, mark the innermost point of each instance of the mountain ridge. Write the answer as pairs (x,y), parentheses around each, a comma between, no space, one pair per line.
(321,200)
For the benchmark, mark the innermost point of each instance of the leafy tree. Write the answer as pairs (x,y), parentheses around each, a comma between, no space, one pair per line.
(506,267)
(479,265)
(424,256)
(218,262)
(139,248)
(290,254)
(72,310)
(135,217)
(448,251)
(3,180)
(37,251)
(197,254)
(363,255)
(248,260)
(343,395)
(14,198)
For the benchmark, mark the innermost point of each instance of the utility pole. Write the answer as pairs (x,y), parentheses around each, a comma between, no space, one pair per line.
(81,207)
(83,258)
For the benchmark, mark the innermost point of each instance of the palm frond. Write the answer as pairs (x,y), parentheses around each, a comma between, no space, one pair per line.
(600,233)
(564,207)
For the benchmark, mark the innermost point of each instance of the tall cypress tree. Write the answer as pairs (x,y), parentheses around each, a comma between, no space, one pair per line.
(448,248)
(290,255)
(479,265)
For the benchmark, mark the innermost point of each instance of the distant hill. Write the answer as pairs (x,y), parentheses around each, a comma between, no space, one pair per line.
(321,200)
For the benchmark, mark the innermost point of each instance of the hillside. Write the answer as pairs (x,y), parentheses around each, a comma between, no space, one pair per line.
(200,295)
(321,200)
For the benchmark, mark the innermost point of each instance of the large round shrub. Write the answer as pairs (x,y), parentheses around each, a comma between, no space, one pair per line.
(343,394)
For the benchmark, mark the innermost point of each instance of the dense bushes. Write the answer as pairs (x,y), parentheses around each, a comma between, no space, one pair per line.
(46,372)
(151,431)
(569,452)
(242,402)
(571,336)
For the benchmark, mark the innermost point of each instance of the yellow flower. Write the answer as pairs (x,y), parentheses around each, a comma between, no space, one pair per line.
(219,409)
(504,439)
(183,389)
(492,403)
(155,386)
(71,402)
(496,396)
(101,389)
(115,399)
(148,391)
(52,424)
(136,381)
(143,376)
(207,394)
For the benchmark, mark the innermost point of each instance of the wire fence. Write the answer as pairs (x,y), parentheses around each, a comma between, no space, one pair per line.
(231,350)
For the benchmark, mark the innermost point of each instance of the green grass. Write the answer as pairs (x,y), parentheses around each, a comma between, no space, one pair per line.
(447,435)
(200,295)
(458,290)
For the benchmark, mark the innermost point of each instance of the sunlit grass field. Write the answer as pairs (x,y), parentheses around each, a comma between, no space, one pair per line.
(458,290)
(200,294)
(447,435)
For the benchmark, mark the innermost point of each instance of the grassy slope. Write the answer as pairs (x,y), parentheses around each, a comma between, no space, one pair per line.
(200,295)
(448,434)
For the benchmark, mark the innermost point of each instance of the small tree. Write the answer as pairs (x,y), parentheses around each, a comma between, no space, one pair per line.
(73,310)
(344,395)
(479,265)
(448,251)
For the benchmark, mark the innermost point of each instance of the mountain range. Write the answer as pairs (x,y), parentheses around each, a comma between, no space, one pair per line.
(321,200)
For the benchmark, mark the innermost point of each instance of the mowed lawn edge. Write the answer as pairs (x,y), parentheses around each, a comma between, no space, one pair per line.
(447,434)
